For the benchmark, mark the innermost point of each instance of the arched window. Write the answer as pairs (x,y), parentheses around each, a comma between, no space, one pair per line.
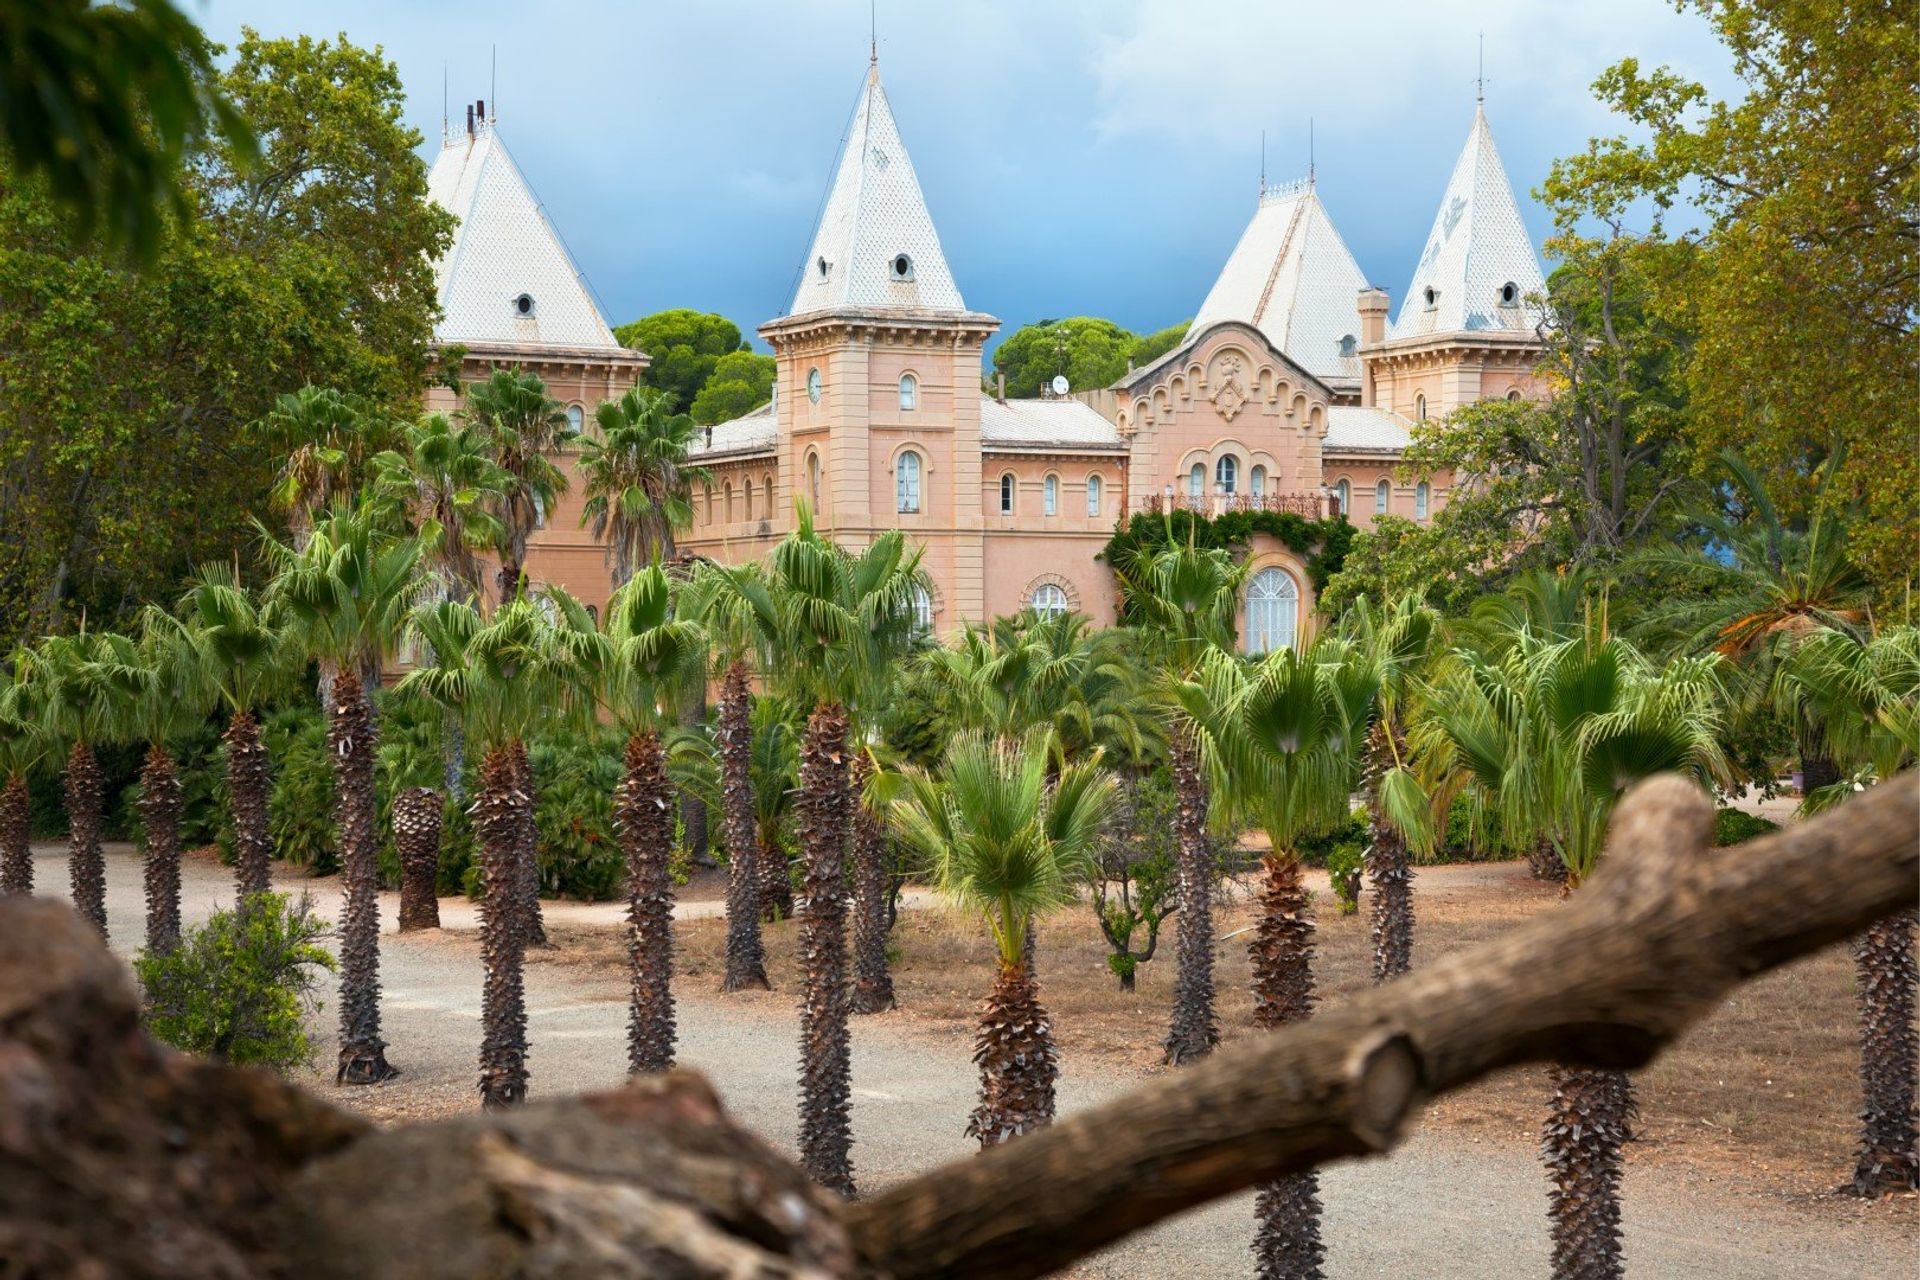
(1345,490)
(746,489)
(766,488)
(539,511)
(727,490)
(1197,482)
(813,479)
(1420,408)
(1093,496)
(1257,482)
(1421,494)
(1226,473)
(1049,600)
(576,418)
(1050,496)
(909,391)
(922,612)
(1381,492)
(706,491)
(1006,494)
(906,483)
(1513,393)
(1273,610)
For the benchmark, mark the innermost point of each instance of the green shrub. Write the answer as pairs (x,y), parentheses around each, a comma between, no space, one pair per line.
(300,810)
(1317,850)
(1737,826)
(238,987)
(1344,868)
(574,776)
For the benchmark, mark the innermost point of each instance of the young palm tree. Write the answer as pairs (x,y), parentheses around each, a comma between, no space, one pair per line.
(1004,838)
(776,729)
(347,594)
(525,427)
(638,483)
(241,653)
(1867,694)
(323,438)
(1186,598)
(77,700)
(24,745)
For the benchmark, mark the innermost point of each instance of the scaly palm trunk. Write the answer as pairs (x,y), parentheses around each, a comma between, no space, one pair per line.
(746,955)
(417,819)
(1194,1031)
(826,1132)
(16,836)
(363,1054)
(86,871)
(498,819)
(1888,1159)
(1587,1123)
(1019,1065)
(1389,869)
(161,803)
(776,880)
(1286,1245)
(1545,862)
(536,924)
(249,785)
(872,984)
(643,809)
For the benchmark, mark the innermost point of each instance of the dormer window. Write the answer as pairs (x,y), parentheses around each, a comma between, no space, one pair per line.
(902,267)
(1509,294)
(822,266)
(1347,344)
(1432,295)
(523,305)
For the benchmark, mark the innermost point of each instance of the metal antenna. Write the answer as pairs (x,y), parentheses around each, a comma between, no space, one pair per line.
(443,104)
(493,83)
(1309,150)
(1263,164)
(1480,77)
(873,33)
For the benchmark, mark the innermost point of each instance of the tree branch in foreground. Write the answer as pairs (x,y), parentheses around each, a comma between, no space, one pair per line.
(1665,929)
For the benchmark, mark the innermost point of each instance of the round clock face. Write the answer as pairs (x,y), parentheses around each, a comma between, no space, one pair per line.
(813,385)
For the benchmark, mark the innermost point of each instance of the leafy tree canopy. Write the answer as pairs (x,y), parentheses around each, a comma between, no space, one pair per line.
(685,347)
(1091,352)
(741,381)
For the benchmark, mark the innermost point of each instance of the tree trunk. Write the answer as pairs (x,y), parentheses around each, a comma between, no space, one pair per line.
(776,880)
(643,811)
(161,803)
(1888,1159)
(16,838)
(746,955)
(249,786)
(363,1054)
(453,756)
(1286,1243)
(826,1130)
(499,821)
(1817,770)
(417,816)
(1019,1065)
(86,870)
(1545,862)
(872,886)
(1194,1031)
(1390,872)
(1586,1128)
(529,855)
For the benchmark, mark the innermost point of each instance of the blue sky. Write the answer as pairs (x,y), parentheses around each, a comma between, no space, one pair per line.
(1085,157)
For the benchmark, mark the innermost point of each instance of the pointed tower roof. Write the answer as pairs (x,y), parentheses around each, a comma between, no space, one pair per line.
(1292,278)
(507,279)
(875,245)
(1477,249)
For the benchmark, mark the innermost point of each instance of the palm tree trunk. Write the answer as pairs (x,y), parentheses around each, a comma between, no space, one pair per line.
(86,871)
(249,785)
(826,1131)
(363,1054)
(498,819)
(1545,862)
(1817,770)
(453,756)
(417,817)
(1286,1244)
(1019,1065)
(1587,1124)
(1389,869)
(746,954)
(529,857)
(1194,1031)
(872,984)
(643,810)
(776,880)
(16,837)
(1888,1159)
(161,803)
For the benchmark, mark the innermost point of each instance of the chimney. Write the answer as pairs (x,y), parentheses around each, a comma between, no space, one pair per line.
(1000,392)
(469,121)
(1373,316)
(480,111)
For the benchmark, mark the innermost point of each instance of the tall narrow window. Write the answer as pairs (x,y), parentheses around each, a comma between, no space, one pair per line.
(1226,474)
(909,391)
(1006,494)
(1380,493)
(1093,497)
(1257,482)
(1048,600)
(576,418)
(1421,494)
(727,491)
(766,487)
(1052,495)
(1197,482)
(746,488)
(1420,408)
(1273,611)
(906,483)
(813,480)
(922,612)
(1345,490)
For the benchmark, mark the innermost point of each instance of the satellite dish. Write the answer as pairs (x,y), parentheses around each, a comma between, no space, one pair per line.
(1059,384)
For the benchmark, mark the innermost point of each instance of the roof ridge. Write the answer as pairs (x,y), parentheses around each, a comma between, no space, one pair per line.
(1279,261)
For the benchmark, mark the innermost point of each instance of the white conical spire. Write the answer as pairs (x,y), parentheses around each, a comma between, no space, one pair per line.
(1479,265)
(507,277)
(875,245)
(1292,278)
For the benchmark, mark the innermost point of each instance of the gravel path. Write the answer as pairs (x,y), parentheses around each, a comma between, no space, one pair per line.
(1441,1206)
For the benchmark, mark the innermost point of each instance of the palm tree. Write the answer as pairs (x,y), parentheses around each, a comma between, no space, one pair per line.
(1003,838)
(525,428)
(638,483)
(777,730)
(24,745)
(241,653)
(872,889)
(1866,695)
(321,435)
(1186,598)
(347,594)
(77,700)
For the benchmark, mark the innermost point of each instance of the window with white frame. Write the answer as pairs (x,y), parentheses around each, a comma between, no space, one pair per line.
(813,480)
(922,612)
(906,483)
(909,391)
(1050,496)
(1420,408)
(1422,493)
(1345,490)
(576,418)
(1273,611)
(1381,492)
(1226,474)
(1197,482)
(1257,482)
(1049,600)
(1093,496)
(1006,494)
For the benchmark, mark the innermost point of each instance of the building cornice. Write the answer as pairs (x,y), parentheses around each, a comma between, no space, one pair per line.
(866,321)
(545,353)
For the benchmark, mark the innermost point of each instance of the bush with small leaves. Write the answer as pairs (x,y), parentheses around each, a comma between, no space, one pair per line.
(1737,826)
